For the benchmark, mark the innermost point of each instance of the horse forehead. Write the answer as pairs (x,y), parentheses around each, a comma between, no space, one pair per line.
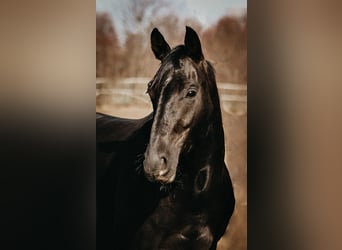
(188,69)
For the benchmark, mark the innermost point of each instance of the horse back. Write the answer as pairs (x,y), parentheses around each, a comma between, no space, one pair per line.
(111,129)
(115,133)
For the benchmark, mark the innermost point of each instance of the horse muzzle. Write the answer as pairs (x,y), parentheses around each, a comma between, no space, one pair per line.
(158,169)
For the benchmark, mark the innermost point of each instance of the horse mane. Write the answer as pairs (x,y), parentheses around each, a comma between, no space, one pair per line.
(210,81)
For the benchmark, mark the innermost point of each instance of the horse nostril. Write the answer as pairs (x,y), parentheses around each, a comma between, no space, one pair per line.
(163,171)
(163,160)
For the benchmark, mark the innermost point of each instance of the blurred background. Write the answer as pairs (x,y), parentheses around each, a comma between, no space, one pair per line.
(125,64)
(47,75)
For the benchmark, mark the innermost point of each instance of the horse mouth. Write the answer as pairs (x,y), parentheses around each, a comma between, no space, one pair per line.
(161,176)
(165,179)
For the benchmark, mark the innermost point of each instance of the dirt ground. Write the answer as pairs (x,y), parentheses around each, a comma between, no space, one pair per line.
(235,127)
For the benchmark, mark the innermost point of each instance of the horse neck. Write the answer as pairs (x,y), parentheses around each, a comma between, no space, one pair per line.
(208,139)
(215,132)
(214,125)
(209,145)
(206,156)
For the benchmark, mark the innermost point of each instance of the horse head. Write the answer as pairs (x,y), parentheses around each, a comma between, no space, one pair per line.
(181,96)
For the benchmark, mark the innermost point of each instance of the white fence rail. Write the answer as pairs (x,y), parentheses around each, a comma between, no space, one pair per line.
(233,96)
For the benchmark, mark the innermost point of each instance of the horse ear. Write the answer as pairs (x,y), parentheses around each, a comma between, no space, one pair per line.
(193,44)
(159,46)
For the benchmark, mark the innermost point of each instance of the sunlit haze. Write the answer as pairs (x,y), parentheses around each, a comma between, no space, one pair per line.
(204,11)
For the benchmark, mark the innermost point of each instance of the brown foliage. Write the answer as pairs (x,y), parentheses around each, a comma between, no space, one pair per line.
(107,47)
(137,56)
(226,46)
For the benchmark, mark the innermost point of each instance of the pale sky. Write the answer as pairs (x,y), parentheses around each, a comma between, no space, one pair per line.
(206,11)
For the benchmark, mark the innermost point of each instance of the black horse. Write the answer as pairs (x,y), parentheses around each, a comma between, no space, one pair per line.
(186,199)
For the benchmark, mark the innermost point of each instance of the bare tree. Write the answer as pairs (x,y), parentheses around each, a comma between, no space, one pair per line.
(107,46)
(138,57)
(138,13)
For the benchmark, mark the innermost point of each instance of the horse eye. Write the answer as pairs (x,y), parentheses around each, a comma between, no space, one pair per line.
(191,93)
